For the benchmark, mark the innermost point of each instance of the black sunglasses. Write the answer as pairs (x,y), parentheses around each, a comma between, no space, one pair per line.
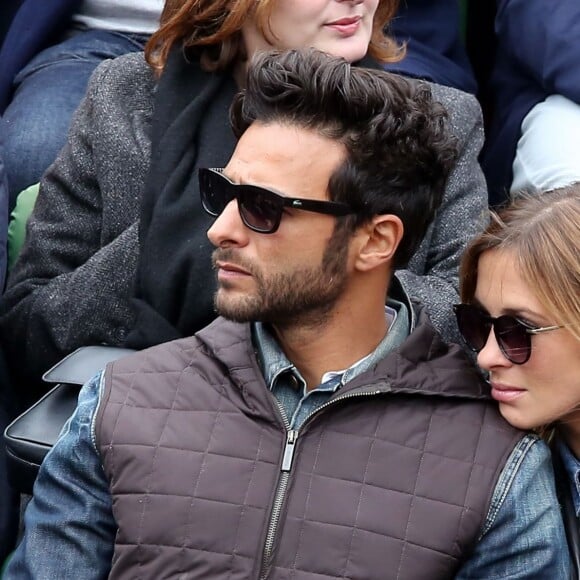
(513,336)
(260,209)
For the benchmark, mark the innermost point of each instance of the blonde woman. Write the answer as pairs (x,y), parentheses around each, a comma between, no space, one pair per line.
(520,287)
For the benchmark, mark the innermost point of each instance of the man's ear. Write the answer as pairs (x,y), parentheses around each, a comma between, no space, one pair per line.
(380,239)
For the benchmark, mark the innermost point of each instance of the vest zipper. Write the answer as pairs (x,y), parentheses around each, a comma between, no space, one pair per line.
(287,460)
(291,437)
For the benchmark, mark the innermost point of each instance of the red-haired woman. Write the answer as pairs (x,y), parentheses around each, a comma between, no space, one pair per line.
(116,251)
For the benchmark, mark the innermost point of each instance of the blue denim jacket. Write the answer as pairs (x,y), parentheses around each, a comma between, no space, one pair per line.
(572,466)
(70,529)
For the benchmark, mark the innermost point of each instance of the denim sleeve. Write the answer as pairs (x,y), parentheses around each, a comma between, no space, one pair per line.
(69,524)
(523,535)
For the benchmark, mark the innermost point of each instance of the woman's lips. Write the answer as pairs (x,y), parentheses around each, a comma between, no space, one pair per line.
(505,393)
(345,26)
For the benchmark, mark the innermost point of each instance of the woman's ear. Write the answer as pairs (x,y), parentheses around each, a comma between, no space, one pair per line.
(379,242)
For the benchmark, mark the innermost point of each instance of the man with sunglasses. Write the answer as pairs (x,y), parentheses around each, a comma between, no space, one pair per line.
(315,430)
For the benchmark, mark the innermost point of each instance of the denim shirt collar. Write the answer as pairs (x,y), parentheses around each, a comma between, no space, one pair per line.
(274,362)
(572,467)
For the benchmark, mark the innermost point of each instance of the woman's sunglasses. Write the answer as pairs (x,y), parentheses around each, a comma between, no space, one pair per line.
(260,209)
(513,336)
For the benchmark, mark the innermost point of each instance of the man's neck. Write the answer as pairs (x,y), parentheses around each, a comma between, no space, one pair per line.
(335,344)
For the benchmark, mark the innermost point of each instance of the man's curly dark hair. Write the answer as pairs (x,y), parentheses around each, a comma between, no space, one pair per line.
(399,146)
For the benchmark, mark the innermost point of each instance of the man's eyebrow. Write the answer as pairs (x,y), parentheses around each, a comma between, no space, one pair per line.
(264,187)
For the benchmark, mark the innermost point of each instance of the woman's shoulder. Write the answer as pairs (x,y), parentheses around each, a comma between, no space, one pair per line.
(127,78)
(463,108)
(451,96)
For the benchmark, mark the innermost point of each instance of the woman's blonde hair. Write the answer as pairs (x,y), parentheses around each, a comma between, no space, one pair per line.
(542,231)
(212,28)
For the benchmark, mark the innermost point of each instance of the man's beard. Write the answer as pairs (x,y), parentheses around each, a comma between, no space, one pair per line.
(303,295)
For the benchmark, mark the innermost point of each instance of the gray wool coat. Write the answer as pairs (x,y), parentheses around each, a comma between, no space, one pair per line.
(74,279)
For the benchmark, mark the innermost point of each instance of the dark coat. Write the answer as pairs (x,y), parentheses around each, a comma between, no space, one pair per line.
(435,48)
(8,9)
(538,54)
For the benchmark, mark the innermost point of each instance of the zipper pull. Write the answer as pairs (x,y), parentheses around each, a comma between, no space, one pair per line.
(291,437)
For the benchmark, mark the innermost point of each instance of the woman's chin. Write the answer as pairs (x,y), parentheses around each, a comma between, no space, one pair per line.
(516,419)
(351,49)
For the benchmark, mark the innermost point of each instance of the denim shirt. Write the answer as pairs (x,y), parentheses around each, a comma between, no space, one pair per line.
(295,401)
(70,528)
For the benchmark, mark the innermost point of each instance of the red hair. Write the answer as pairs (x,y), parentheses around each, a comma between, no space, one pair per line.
(212,28)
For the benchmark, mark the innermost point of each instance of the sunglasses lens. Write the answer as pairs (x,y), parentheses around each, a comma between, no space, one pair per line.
(473,325)
(513,339)
(259,210)
(214,191)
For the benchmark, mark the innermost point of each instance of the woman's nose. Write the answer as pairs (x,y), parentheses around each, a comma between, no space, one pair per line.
(491,356)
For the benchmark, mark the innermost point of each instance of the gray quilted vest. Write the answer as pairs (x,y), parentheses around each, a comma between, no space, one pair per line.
(391,479)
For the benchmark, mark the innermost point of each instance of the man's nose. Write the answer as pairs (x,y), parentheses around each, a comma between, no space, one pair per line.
(228,228)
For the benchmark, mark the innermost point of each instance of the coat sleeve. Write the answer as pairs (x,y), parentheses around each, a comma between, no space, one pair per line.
(543,41)
(70,286)
(432,276)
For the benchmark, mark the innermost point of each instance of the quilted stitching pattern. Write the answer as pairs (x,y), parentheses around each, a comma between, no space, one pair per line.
(366,500)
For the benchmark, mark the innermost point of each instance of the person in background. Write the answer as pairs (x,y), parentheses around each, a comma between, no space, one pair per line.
(40,48)
(534,136)
(435,49)
(133,266)
(520,287)
(7,12)
(49,52)
(314,431)
(8,498)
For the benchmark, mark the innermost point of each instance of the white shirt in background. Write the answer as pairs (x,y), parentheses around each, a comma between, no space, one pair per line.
(135,16)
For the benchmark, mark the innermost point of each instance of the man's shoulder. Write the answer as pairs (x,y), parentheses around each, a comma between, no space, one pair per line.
(214,341)
(166,357)
(425,358)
